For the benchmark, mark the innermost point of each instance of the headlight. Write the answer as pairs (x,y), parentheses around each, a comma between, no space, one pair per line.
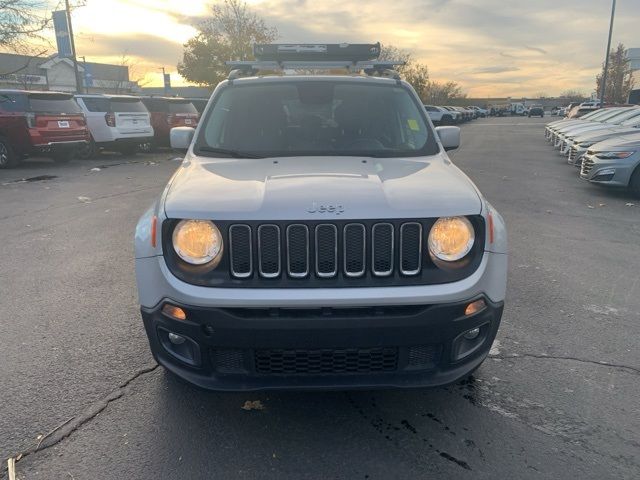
(450,238)
(198,242)
(613,155)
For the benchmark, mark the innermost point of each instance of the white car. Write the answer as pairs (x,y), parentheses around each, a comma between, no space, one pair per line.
(441,116)
(317,235)
(481,112)
(116,122)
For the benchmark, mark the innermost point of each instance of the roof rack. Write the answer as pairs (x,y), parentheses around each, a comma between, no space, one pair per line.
(281,57)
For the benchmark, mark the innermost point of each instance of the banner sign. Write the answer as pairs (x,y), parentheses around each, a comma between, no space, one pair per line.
(61,27)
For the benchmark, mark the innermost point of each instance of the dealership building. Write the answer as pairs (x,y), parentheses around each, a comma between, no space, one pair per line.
(57,73)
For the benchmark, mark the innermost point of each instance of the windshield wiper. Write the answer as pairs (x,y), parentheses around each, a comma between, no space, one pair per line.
(229,152)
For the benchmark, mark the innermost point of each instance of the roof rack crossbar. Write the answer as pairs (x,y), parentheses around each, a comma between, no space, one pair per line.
(252,67)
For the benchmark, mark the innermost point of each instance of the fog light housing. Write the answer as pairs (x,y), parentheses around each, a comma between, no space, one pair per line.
(176,339)
(180,347)
(475,307)
(473,333)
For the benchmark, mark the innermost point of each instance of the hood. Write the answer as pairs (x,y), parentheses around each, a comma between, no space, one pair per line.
(618,143)
(309,188)
(604,133)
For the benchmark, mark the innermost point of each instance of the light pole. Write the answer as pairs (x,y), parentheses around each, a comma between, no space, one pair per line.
(164,81)
(603,85)
(73,48)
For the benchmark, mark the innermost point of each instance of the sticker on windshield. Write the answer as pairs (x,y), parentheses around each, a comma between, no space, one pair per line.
(413,125)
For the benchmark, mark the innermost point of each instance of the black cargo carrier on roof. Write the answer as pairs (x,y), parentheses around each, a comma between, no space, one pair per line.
(328,52)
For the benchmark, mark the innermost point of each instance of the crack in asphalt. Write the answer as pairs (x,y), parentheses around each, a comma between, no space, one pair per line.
(58,434)
(574,359)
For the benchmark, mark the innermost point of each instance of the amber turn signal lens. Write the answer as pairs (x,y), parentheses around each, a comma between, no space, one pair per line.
(174,312)
(475,307)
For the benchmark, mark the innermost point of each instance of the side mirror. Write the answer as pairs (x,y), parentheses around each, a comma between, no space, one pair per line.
(449,137)
(181,138)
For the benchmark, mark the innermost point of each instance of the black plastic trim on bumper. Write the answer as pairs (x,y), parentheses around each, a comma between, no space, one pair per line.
(311,330)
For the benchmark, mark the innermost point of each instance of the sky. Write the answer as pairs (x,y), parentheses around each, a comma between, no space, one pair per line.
(490,47)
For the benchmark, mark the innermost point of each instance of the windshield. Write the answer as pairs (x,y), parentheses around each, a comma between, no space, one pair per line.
(624,115)
(127,105)
(181,107)
(51,103)
(317,118)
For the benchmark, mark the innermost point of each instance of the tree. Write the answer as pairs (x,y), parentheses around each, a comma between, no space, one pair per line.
(22,23)
(619,77)
(228,35)
(441,93)
(573,96)
(417,74)
(391,52)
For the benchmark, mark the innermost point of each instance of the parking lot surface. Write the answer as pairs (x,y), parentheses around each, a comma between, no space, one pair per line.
(558,397)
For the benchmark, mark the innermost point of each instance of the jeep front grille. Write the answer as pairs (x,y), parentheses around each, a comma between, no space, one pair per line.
(326,250)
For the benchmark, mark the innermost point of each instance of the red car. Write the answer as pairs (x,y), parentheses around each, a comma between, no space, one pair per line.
(39,123)
(169,112)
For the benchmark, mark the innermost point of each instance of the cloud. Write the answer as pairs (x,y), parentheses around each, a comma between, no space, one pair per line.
(495,69)
(496,48)
(536,49)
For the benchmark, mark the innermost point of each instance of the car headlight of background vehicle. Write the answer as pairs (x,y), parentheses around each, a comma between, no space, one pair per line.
(613,155)
(450,239)
(198,242)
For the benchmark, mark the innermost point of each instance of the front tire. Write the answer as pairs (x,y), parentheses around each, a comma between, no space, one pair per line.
(634,183)
(8,158)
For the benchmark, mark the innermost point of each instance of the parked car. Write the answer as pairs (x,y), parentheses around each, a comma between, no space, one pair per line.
(614,162)
(535,111)
(456,114)
(39,123)
(554,130)
(569,133)
(199,103)
(439,115)
(481,112)
(169,112)
(116,122)
(578,145)
(317,236)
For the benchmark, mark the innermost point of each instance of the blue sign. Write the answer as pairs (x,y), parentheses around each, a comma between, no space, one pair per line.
(61,27)
(88,74)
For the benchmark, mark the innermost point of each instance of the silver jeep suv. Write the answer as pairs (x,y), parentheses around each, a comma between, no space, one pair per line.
(317,235)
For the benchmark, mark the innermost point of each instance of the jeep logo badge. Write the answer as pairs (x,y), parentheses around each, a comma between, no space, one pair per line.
(315,208)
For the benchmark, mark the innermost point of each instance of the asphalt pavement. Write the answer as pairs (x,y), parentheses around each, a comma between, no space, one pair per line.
(81,397)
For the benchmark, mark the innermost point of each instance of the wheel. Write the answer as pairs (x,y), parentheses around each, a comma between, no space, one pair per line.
(127,150)
(87,151)
(8,158)
(634,183)
(64,156)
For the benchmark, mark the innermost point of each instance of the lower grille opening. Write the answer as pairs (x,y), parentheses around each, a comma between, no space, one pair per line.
(326,361)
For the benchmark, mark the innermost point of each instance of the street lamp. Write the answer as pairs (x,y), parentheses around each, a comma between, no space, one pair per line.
(603,85)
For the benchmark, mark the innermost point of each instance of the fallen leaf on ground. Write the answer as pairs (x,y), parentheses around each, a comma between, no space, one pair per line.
(96,169)
(590,206)
(629,204)
(84,199)
(602,204)
(253,405)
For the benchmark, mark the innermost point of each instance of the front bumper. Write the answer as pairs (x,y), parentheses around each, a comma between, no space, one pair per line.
(612,172)
(323,348)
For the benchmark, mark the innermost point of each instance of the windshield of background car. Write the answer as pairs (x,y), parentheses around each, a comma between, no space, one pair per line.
(317,118)
(182,107)
(119,105)
(626,114)
(51,103)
